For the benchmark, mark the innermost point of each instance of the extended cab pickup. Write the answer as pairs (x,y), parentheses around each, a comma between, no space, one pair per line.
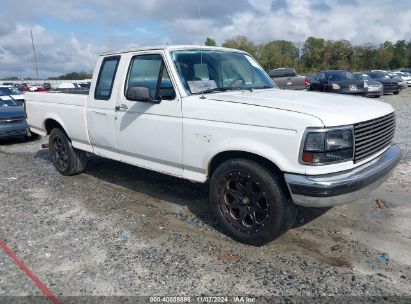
(213,114)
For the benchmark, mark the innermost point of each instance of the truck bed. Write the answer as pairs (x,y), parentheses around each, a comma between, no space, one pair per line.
(43,107)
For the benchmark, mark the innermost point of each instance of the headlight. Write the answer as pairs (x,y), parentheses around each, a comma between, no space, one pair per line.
(365,84)
(335,86)
(326,146)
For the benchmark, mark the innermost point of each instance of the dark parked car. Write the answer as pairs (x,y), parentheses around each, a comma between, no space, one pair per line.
(374,87)
(338,81)
(287,78)
(391,85)
(12,118)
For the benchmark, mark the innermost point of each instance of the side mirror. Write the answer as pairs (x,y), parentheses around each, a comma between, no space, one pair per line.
(140,94)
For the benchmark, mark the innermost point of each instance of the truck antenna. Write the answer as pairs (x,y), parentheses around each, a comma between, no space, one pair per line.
(35,57)
(201,51)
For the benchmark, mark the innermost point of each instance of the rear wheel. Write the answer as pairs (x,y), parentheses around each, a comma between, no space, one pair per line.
(66,159)
(249,202)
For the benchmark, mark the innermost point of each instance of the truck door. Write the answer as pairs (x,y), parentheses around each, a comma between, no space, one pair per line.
(100,110)
(149,133)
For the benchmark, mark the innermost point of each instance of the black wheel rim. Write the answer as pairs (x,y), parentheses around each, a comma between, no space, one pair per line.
(60,156)
(243,202)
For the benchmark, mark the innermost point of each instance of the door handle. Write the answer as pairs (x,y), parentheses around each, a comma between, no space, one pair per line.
(121,107)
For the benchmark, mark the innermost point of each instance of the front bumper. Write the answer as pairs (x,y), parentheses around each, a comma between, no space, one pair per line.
(391,89)
(350,92)
(14,129)
(374,93)
(343,187)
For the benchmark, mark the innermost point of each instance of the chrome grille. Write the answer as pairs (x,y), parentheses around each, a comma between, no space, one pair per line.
(373,135)
(389,85)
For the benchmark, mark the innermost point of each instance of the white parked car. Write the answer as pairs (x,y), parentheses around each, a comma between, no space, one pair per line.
(211,114)
(67,85)
(404,76)
(13,92)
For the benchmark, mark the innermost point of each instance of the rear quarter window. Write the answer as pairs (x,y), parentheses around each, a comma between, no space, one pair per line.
(106,78)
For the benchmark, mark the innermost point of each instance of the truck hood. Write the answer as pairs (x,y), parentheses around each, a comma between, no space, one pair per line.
(331,109)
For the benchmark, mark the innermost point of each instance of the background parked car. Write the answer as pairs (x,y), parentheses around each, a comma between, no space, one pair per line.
(406,77)
(392,75)
(24,87)
(374,88)
(72,88)
(38,88)
(391,85)
(13,92)
(12,117)
(287,78)
(338,81)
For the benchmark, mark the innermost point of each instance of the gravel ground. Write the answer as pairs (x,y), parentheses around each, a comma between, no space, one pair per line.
(120,230)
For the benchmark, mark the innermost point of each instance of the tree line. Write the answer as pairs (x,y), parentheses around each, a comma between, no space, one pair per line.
(73,75)
(320,54)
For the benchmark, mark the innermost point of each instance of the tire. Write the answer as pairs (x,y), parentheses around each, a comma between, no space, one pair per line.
(249,202)
(396,92)
(66,159)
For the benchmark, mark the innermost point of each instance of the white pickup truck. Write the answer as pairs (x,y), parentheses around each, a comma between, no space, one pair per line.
(211,114)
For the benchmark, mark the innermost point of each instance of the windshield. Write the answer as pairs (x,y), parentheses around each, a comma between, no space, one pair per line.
(340,75)
(209,70)
(10,91)
(362,77)
(378,75)
(7,101)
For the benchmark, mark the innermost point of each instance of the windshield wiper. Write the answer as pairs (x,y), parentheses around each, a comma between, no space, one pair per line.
(264,87)
(224,89)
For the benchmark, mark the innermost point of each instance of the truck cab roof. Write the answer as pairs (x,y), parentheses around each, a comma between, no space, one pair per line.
(170,48)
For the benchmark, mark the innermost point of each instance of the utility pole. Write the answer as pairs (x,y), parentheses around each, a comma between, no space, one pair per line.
(35,58)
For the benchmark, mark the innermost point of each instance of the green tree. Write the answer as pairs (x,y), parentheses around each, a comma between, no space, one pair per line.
(241,43)
(210,42)
(338,55)
(400,56)
(75,76)
(313,53)
(385,54)
(279,53)
(364,57)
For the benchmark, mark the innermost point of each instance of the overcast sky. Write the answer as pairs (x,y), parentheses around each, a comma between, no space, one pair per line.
(70,34)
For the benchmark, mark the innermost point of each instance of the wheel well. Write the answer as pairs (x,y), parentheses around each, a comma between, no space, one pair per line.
(50,124)
(272,167)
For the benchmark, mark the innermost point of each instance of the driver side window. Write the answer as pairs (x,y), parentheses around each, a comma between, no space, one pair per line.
(150,71)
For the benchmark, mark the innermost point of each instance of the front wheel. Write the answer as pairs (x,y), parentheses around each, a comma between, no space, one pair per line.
(396,92)
(249,202)
(66,159)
